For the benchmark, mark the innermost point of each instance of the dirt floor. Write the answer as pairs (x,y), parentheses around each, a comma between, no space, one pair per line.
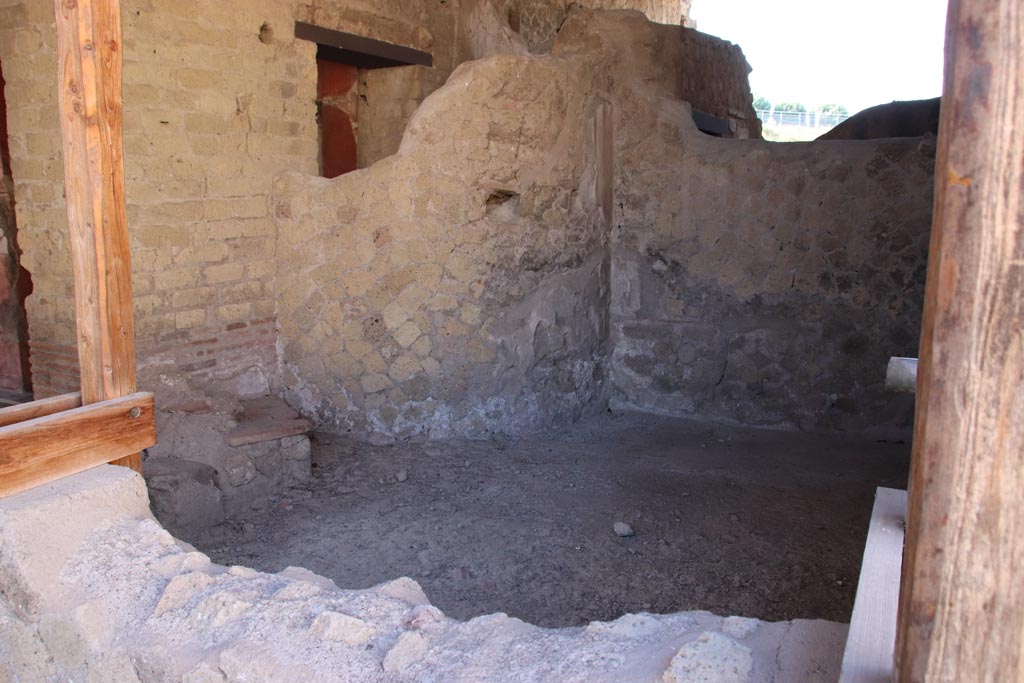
(737,521)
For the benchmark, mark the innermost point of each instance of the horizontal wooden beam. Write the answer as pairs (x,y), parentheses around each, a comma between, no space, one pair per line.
(46,448)
(40,408)
(361,52)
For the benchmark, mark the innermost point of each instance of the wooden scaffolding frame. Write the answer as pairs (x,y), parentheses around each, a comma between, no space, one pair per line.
(962,597)
(108,421)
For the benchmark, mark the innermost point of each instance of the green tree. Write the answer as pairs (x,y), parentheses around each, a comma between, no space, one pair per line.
(761,103)
(791,106)
(834,110)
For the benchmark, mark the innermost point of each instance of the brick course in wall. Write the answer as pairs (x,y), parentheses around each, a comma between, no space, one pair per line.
(212,352)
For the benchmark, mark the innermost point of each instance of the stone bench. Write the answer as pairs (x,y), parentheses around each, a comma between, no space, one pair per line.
(223,460)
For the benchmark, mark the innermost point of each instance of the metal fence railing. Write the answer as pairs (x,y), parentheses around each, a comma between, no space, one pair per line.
(805,119)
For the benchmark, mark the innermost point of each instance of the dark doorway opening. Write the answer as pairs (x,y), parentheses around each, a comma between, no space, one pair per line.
(337,106)
(15,282)
(340,57)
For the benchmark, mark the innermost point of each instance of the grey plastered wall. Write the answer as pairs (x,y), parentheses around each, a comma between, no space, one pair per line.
(767,283)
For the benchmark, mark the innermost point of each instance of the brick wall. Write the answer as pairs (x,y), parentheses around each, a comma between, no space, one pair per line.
(214,108)
(219,98)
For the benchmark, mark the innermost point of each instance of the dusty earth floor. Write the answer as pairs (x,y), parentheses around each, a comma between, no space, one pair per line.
(737,521)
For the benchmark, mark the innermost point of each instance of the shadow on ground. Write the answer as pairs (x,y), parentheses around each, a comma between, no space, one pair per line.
(758,523)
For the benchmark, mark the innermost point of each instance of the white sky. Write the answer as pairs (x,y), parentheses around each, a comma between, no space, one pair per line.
(857,54)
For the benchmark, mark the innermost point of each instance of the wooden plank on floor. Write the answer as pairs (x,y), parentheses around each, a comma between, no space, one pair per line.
(868,657)
(58,445)
(40,408)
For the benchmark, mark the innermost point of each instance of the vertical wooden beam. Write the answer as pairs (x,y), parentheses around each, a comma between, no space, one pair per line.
(962,595)
(89,73)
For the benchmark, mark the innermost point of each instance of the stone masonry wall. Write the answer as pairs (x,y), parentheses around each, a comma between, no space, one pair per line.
(712,77)
(219,99)
(448,30)
(538,21)
(463,284)
(460,285)
(675,62)
(757,282)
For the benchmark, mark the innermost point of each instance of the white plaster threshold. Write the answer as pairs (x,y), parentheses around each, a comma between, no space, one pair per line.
(871,642)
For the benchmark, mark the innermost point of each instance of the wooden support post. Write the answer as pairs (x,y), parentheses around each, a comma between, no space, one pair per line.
(962,596)
(89,72)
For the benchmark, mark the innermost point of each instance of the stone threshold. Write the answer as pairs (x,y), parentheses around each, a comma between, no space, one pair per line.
(108,594)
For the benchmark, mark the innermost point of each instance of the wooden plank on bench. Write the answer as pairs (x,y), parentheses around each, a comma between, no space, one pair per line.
(265,419)
(258,431)
(872,639)
(46,448)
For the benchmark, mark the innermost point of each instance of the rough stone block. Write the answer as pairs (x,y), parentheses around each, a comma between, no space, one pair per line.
(410,648)
(343,628)
(181,589)
(184,493)
(711,658)
(33,549)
